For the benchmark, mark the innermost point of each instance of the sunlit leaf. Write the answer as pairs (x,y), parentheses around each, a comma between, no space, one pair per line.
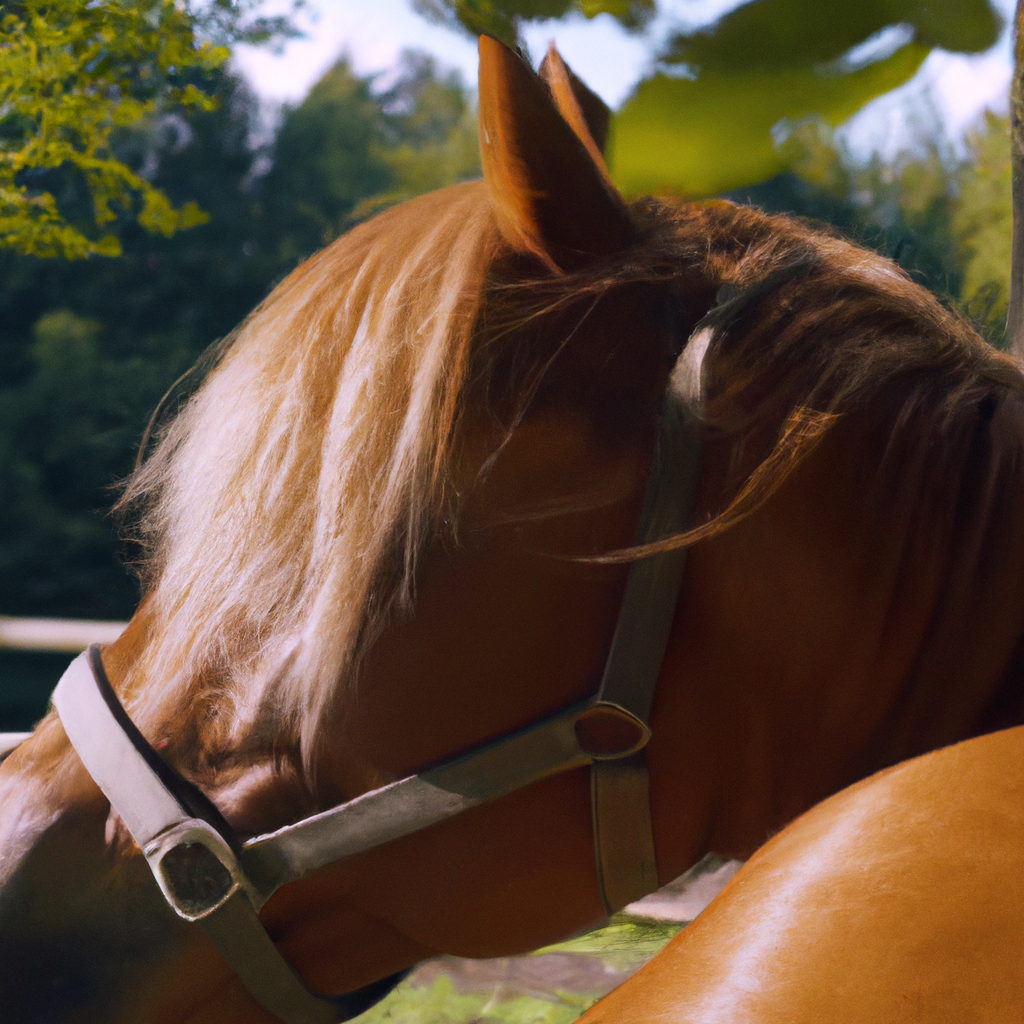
(711,118)
(714,133)
(71,75)
(629,13)
(780,34)
(503,19)
(190,216)
(108,245)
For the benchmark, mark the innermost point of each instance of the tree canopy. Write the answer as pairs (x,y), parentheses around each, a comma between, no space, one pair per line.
(75,75)
(88,348)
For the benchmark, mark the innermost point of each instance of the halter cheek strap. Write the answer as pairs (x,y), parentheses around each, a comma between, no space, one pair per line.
(620,788)
(210,878)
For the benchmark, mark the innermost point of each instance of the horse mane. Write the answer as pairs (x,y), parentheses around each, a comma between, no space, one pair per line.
(313,452)
(283,508)
(808,328)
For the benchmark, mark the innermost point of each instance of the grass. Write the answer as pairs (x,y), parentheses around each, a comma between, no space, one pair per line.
(441,1004)
(624,944)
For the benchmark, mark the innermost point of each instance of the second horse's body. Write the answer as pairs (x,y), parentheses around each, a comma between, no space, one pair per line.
(900,900)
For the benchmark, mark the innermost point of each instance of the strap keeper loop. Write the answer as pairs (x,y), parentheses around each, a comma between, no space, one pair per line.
(607,731)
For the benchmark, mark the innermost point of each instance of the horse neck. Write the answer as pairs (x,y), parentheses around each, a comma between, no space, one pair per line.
(869,611)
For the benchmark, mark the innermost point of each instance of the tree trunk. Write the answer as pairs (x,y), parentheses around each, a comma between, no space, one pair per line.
(1015,314)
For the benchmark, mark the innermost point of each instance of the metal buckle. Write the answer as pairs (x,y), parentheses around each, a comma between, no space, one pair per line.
(608,732)
(196,869)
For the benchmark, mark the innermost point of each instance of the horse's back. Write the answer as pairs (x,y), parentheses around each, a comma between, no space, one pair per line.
(899,899)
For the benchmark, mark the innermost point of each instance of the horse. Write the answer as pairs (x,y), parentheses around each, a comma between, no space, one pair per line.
(899,899)
(396,522)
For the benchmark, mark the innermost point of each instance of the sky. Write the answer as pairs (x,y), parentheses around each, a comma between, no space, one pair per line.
(952,88)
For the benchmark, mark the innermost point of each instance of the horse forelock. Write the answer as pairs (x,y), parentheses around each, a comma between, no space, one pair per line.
(316,448)
(283,507)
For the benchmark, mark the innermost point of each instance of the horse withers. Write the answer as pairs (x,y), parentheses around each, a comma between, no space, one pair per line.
(395,523)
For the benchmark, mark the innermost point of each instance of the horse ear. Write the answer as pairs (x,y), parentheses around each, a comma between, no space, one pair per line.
(552,197)
(588,115)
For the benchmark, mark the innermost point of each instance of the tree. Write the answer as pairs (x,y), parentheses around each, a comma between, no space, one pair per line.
(430,134)
(983,226)
(347,152)
(1015,315)
(73,75)
(325,159)
(944,217)
(88,348)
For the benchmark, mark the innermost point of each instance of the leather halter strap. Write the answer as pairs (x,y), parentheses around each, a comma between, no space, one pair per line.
(627,865)
(208,877)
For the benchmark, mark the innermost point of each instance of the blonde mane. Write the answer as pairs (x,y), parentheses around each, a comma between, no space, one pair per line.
(314,451)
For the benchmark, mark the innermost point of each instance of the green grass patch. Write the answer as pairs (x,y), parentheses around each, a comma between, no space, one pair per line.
(441,1004)
(625,944)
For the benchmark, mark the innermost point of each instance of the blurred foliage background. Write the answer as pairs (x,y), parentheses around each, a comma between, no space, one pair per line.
(708,115)
(87,347)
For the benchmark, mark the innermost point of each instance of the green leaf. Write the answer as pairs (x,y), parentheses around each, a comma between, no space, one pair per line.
(108,245)
(503,19)
(71,73)
(629,13)
(700,137)
(783,34)
(190,216)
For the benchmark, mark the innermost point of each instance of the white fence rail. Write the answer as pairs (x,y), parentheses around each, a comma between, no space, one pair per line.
(70,635)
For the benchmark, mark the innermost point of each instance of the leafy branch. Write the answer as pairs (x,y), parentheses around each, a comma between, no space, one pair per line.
(72,75)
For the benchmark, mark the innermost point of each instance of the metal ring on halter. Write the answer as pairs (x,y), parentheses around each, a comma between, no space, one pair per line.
(608,731)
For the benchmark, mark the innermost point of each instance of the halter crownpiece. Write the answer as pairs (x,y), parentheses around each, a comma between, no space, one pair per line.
(212,879)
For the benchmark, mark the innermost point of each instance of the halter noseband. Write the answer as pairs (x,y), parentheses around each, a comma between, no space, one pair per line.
(211,878)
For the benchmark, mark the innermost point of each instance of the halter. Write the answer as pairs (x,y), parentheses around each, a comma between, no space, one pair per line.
(211,878)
